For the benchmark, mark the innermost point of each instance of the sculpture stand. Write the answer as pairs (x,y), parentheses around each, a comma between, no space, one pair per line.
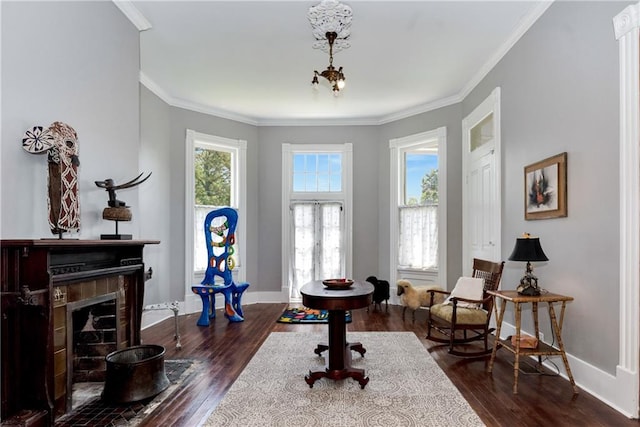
(117,214)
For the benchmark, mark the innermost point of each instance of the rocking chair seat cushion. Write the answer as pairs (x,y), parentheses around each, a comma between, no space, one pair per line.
(466,316)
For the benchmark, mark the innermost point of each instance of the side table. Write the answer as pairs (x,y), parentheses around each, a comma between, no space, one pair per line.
(542,349)
(337,302)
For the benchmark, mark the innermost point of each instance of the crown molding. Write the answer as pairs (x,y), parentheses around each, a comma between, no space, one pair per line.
(155,88)
(419,109)
(192,106)
(133,14)
(362,121)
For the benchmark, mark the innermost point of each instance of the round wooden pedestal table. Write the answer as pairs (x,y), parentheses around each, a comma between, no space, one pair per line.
(337,302)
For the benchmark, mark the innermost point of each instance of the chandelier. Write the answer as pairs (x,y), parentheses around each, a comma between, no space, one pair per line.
(331,23)
(335,77)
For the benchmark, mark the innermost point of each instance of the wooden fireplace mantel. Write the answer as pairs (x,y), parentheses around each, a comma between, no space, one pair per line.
(40,280)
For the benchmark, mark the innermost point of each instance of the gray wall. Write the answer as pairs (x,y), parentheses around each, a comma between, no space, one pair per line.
(560,92)
(155,202)
(76,62)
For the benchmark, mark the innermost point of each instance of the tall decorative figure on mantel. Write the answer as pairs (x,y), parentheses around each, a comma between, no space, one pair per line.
(60,142)
(219,229)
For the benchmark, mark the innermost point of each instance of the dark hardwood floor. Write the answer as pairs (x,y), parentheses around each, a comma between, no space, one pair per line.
(224,349)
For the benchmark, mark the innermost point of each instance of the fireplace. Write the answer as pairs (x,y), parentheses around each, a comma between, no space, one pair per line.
(49,292)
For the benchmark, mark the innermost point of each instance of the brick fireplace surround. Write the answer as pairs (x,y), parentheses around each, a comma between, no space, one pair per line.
(55,292)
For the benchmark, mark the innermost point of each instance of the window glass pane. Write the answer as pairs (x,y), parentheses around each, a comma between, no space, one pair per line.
(481,133)
(310,183)
(310,163)
(315,172)
(336,183)
(298,163)
(420,178)
(323,182)
(336,164)
(212,171)
(323,163)
(298,182)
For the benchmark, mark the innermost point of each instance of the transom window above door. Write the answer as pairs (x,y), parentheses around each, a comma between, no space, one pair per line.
(317,172)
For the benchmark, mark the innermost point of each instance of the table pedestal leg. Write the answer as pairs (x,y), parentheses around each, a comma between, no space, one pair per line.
(339,365)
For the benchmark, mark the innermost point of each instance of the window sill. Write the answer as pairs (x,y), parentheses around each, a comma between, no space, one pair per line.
(418,270)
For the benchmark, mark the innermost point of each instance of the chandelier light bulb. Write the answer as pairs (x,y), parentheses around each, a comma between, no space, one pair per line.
(341,84)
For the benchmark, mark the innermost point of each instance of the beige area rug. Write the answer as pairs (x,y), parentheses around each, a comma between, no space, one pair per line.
(406,387)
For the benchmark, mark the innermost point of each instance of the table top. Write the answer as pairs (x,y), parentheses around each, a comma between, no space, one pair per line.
(515,297)
(316,295)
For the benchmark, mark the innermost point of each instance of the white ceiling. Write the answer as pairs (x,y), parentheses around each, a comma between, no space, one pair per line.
(253,61)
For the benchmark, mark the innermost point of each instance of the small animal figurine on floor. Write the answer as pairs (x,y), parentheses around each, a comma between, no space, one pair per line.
(380,292)
(415,297)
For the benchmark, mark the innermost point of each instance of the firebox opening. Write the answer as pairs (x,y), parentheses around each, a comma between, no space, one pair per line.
(93,333)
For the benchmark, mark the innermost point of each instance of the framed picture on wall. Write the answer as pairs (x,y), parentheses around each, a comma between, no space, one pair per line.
(545,188)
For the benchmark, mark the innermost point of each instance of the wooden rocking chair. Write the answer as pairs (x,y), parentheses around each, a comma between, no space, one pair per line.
(456,315)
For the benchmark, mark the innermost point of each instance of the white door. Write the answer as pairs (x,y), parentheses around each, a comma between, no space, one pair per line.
(482,207)
(482,190)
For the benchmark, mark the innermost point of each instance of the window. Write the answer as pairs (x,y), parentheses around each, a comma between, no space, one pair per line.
(418,222)
(317,172)
(481,133)
(316,214)
(418,208)
(215,178)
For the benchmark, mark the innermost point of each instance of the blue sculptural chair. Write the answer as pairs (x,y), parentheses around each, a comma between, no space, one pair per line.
(219,230)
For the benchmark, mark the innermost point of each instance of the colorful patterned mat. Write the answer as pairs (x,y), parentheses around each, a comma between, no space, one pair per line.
(307,315)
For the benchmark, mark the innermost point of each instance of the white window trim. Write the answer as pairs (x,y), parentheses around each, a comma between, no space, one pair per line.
(238,201)
(345,196)
(397,146)
(623,389)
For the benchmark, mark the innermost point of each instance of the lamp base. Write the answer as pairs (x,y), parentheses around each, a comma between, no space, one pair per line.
(528,285)
(530,291)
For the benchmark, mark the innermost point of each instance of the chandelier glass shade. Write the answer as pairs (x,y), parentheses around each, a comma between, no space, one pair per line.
(334,76)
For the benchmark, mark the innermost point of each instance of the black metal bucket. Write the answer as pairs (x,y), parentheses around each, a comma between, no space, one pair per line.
(135,373)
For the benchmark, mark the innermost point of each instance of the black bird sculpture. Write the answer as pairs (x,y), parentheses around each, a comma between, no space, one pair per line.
(111,188)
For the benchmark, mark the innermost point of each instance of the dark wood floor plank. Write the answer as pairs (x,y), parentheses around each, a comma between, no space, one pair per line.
(223,349)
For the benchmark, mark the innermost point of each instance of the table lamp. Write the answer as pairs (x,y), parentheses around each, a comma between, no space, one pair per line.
(528,249)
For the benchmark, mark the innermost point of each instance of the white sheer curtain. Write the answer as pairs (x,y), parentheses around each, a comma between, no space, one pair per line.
(317,243)
(418,242)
